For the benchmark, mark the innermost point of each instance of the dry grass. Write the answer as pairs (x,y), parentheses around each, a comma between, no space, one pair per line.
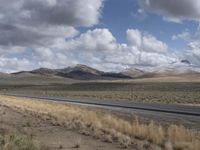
(14,141)
(107,125)
(168,97)
(153,92)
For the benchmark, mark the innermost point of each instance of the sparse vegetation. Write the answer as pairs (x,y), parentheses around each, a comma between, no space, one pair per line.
(158,92)
(16,141)
(108,126)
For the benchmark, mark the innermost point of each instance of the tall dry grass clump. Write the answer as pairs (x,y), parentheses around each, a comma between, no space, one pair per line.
(14,141)
(107,125)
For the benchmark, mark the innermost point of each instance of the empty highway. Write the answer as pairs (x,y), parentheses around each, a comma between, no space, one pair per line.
(169,113)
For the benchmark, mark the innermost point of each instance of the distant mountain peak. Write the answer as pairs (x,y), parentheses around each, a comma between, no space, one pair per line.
(84,67)
(78,72)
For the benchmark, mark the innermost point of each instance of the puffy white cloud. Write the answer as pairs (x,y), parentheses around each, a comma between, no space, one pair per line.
(134,37)
(173,10)
(192,52)
(14,64)
(98,48)
(150,43)
(41,25)
(145,42)
(98,39)
(41,33)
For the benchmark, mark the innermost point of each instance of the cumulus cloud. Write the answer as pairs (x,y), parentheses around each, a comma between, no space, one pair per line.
(18,35)
(99,48)
(14,64)
(38,22)
(173,10)
(39,25)
(193,51)
(52,12)
(65,12)
(42,33)
(145,42)
(134,37)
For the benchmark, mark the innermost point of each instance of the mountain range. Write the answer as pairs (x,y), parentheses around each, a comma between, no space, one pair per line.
(83,72)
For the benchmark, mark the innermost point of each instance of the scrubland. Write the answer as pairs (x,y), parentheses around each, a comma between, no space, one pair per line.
(16,141)
(157,92)
(108,127)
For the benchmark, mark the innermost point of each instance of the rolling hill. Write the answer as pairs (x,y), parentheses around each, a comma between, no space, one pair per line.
(81,72)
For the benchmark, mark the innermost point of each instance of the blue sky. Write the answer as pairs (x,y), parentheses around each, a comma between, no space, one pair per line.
(110,35)
(118,15)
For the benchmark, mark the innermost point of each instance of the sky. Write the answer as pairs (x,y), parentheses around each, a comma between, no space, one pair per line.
(110,35)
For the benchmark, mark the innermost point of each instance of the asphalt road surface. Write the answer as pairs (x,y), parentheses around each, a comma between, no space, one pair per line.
(168,113)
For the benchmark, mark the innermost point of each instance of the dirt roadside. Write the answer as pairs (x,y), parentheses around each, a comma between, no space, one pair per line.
(63,126)
(48,135)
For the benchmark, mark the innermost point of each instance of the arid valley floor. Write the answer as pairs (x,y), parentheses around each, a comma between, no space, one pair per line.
(52,125)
